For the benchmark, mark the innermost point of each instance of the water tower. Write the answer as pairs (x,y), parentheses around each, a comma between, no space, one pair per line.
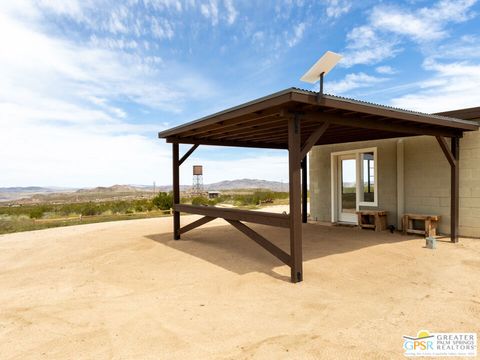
(197,186)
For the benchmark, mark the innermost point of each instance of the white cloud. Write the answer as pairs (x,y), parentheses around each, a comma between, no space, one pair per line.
(297,35)
(162,29)
(388,26)
(72,8)
(453,85)
(210,11)
(424,24)
(351,82)
(337,8)
(164,4)
(58,107)
(231,12)
(365,46)
(385,69)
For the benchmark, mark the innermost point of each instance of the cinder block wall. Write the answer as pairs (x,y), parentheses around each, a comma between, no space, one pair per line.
(426,180)
(470,184)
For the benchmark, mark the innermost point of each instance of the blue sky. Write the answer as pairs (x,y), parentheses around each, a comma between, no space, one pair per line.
(86,85)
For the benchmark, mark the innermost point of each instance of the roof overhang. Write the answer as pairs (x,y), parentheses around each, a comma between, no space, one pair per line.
(262,123)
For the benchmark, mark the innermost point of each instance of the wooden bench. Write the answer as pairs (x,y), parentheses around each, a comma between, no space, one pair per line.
(430,224)
(372,219)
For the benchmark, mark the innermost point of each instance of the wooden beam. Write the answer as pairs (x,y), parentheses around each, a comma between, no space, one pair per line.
(263,104)
(176,190)
(257,217)
(333,102)
(444,146)
(412,129)
(196,224)
(454,191)
(253,144)
(188,153)
(260,240)
(296,268)
(304,190)
(312,140)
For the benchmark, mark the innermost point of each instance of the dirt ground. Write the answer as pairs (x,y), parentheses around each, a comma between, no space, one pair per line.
(126,290)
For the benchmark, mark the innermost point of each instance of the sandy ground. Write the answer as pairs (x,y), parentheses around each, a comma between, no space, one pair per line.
(126,290)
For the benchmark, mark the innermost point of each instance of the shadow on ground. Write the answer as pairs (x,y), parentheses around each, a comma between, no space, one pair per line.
(225,246)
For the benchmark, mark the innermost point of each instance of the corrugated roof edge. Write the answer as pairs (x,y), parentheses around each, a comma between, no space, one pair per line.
(310,92)
(248,103)
(355,101)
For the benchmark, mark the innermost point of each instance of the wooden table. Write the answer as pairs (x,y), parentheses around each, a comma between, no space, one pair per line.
(430,221)
(372,219)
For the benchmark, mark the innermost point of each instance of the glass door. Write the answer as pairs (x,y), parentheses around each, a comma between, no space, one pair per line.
(347,188)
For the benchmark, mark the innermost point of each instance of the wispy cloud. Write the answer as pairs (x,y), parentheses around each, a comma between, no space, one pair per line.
(351,82)
(231,12)
(296,35)
(366,46)
(210,11)
(336,8)
(389,26)
(65,103)
(452,85)
(385,69)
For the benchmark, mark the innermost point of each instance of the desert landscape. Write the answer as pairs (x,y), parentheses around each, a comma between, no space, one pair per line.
(126,290)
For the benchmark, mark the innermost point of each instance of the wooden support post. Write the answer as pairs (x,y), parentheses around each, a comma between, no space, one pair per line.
(304,190)
(294,161)
(176,190)
(454,191)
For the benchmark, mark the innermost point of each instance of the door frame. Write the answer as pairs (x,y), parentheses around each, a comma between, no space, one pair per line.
(334,158)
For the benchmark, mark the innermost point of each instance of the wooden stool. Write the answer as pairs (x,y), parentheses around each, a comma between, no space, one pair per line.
(372,219)
(430,221)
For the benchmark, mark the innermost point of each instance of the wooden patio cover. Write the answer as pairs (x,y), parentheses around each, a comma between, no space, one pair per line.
(296,120)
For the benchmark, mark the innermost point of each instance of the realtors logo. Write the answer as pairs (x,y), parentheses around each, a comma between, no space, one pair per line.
(440,344)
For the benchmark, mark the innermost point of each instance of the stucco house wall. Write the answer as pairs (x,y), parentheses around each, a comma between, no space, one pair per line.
(426,180)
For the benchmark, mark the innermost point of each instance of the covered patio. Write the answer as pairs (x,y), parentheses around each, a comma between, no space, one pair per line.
(296,120)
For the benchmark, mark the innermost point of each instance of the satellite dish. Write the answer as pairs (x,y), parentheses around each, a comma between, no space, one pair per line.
(326,63)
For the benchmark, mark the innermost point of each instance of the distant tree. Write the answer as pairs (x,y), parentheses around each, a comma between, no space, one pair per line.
(163,201)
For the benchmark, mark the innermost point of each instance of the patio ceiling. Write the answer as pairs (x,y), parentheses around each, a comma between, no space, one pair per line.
(263,122)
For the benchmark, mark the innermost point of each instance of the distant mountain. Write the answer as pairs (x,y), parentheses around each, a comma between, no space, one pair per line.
(27,189)
(113,189)
(20,192)
(247,184)
(38,194)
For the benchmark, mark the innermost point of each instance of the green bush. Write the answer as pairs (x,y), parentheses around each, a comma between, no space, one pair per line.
(36,212)
(199,200)
(163,201)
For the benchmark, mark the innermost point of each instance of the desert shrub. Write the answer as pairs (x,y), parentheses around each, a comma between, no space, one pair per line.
(163,201)
(37,212)
(199,200)
(89,209)
(258,197)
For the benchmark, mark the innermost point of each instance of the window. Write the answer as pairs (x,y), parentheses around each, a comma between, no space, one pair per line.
(367,193)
